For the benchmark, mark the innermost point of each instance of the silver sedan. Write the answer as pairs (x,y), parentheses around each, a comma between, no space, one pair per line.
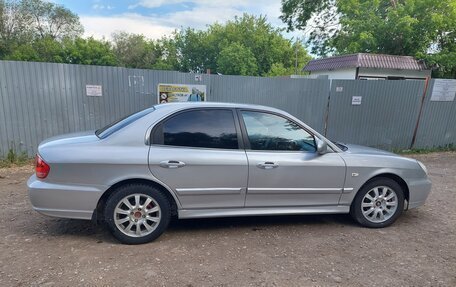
(196,160)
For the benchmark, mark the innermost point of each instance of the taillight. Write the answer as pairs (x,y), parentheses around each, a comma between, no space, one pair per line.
(41,167)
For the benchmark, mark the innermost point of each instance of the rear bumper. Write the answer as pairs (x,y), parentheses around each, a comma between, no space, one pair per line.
(63,200)
(419,192)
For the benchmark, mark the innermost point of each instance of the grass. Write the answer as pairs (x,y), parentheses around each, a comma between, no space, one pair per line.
(14,158)
(449,147)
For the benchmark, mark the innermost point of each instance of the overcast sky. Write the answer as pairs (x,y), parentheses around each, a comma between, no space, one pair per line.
(155,18)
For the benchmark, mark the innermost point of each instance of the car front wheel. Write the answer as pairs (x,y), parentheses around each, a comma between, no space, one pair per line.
(137,213)
(379,203)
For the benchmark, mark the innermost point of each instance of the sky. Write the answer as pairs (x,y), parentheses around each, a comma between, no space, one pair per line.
(156,18)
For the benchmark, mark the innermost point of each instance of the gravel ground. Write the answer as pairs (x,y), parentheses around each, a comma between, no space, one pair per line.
(418,250)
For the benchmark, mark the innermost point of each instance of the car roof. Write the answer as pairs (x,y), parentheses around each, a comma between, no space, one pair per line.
(184,105)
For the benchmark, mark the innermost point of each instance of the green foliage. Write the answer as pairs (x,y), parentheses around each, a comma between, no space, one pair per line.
(28,19)
(46,19)
(300,54)
(136,51)
(31,30)
(278,69)
(133,51)
(40,50)
(88,52)
(194,50)
(41,31)
(74,51)
(201,49)
(447,148)
(14,158)
(236,59)
(421,28)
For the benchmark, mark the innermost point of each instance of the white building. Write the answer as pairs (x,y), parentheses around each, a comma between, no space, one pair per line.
(363,66)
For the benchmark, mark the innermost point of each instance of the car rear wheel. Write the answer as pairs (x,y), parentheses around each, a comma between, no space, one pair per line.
(379,203)
(137,213)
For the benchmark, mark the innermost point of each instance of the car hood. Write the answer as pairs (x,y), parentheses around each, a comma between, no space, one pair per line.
(359,149)
(73,138)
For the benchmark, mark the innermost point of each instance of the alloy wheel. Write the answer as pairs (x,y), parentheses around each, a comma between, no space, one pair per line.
(379,204)
(137,215)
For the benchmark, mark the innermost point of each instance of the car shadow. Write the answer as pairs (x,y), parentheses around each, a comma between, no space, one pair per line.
(260,222)
(84,229)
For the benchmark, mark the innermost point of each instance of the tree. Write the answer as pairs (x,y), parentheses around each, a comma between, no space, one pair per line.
(132,50)
(13,26)
(135,51)
(296,60)
(421,28)
(236,59)
(37,30)
(88,52)
(72,51)
(266,42)
(200,50)
(167,55)
(47,19)
(194,50)
(26,21)
(44,49)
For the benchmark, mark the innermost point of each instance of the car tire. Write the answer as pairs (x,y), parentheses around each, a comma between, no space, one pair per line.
(378,203)
(137,213)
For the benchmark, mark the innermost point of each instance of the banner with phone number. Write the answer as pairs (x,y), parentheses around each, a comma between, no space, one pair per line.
(169,93)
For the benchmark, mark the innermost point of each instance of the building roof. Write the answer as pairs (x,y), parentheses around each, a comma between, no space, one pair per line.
(365,60)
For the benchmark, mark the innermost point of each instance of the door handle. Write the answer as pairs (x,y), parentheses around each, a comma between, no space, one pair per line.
(267,165)
(172,164)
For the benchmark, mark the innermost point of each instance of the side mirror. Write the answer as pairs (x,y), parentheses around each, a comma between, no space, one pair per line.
(322,146)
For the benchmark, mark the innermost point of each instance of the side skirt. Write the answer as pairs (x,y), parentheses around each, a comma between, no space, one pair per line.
(259,211)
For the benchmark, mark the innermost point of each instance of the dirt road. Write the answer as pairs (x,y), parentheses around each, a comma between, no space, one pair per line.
(418,250)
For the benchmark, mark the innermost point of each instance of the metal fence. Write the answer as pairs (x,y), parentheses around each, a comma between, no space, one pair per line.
(386,117)
(437,125)
(39,100)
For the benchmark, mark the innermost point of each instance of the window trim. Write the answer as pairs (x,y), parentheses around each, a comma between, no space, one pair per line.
(246,136)
(159,127)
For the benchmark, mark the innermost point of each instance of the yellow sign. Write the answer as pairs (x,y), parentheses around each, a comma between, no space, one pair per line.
(168,93)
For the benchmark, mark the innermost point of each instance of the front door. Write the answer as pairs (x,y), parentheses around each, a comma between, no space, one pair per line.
(284,166)
(196,153)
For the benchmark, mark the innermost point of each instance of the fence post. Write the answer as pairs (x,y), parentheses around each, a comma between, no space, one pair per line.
(327,109)
(426,84)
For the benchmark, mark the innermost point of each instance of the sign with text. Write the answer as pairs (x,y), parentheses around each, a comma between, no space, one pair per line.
(356,100)
(169,93)
(94,90)
(444,90)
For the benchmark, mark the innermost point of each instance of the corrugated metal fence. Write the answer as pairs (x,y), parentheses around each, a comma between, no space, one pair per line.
(39,100)
(386,117)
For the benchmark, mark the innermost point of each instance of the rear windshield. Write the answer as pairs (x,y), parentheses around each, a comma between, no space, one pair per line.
(123,122)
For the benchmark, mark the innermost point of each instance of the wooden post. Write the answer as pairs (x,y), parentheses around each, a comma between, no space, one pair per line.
(426,84)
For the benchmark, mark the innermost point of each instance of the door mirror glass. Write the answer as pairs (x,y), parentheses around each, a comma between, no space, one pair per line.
(322,146)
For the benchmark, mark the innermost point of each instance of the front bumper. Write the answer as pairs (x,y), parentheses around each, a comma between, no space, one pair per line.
(419,191)
(63,200)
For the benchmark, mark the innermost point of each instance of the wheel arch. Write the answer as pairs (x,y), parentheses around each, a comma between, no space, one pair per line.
(399,180)
(98,212)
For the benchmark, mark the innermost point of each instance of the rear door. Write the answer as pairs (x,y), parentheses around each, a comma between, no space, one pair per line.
(199,154)
(284,166)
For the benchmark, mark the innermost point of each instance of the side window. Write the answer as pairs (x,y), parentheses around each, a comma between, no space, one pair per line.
(270,132)
(211,128)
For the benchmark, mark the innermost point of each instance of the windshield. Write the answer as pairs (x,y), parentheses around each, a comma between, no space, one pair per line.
(123,122)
